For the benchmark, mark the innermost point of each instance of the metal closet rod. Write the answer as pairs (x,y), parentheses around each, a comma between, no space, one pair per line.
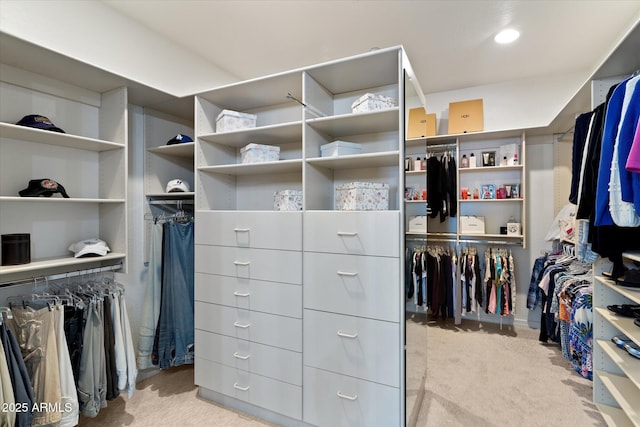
(476,241)
(75,273)
(441,146)
(170,202)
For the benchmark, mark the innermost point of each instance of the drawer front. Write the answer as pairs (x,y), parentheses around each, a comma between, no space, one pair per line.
(278,331)
(269,297)
(267,230)
(354,346)
(249,263)
(362,286)
(356,233)
(341,401)
(267,393)
(265,360)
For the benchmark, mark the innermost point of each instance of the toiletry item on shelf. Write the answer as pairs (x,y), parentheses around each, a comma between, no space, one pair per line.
(464,162)
(472,161)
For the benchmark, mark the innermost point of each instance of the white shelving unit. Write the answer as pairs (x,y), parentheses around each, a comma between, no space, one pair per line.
(89,160)
(335,303)
(616,374)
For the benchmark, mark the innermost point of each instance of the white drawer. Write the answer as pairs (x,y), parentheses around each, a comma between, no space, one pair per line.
(267,393)
(263,328)
(357,285)
(341,401)
(270,297)
(265,360)
(249,263)
(268,230)
(354,346)
(356,233)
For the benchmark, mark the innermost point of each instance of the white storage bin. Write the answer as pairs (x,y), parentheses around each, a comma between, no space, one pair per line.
(418,224)
(287,200)
(257,153)
(229,120)
(340,148)
(372,102)
(362,196)
(470,224)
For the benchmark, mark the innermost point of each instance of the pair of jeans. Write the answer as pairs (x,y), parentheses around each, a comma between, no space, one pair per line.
(35,332)
(92,377)
(175,331)
(73,331)
(151,304)
(69,394)
(21,384)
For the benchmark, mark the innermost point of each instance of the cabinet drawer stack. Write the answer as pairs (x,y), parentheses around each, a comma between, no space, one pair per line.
(351,316)
(248,308)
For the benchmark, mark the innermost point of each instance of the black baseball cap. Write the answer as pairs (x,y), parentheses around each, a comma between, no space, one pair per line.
(39,122)
(43,187)
(179,139)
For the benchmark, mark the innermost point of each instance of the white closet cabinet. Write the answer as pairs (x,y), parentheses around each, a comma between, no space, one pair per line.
(616,374)
(89,160)
(306,302)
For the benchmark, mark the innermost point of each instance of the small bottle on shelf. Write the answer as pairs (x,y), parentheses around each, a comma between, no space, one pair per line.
(464,162)
(515,159)
(472,160)
(504,161)
(417,165)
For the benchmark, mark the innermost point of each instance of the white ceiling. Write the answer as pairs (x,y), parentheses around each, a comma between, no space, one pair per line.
(450,43)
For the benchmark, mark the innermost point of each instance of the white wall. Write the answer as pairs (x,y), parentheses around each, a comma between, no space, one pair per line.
(519,104)
(108,40)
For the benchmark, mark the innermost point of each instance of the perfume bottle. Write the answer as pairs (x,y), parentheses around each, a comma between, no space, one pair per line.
(464,162)
(472,161)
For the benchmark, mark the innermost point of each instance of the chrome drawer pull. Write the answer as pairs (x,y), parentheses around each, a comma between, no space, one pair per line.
(242,262)
(239,356)
(347,273)
(344,396)
(240,325)
(241,230)
(235,385)
(345,335)
(240,294)
(347,233)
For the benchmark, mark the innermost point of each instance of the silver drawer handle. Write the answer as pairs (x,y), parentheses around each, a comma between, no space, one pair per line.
(241,325)
(345,335)
(347,233)
(241,230)
(239,356)
(242,262)
(344,396)
(347,273)
(235,385)
(240,294)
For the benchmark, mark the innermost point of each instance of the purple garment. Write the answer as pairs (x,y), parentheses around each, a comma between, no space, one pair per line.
(633,161)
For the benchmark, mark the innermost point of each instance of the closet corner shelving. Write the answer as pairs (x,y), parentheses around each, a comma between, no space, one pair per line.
(496,212)
(616,374)
(89,160)
(251,261)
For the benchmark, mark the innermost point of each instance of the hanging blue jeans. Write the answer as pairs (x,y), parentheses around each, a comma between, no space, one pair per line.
(175,324)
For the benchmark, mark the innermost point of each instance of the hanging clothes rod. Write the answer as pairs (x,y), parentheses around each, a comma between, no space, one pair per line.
(66,275)
(441,146)
(564,134)
(475,241)
(171,202)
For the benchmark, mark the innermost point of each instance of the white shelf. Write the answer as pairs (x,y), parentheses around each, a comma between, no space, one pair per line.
(415,172)
(57,200)
(622,389)
(632,255)
(176,150)
(389,158)
(357,123)
(629,364)
(50,263)
(491,169)
(416,201)
(491,200)
(281,133)
(23,133)
(614,417)
(281,166)
(632,293)
(624,324)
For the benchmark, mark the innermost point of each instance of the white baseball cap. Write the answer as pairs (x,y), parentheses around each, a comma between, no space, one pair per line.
(89,247)
(176,185)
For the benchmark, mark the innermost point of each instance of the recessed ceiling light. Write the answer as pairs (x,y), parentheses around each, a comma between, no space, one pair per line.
(506,36)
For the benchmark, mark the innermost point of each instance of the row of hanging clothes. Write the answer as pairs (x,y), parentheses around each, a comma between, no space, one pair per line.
(485,283)
(167,331)
(68,349)
(562,285)
(605,185)
(442,185)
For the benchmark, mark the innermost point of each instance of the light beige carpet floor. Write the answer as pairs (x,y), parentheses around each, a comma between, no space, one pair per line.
(477,376)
